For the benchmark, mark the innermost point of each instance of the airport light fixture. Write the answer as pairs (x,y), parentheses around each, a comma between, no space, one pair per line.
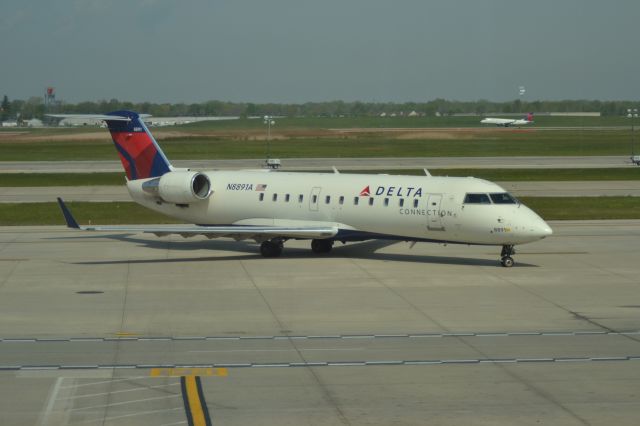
(521,92)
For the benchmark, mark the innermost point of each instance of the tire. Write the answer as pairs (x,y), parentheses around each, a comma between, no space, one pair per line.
(507,262)
(321,246)
(271,249)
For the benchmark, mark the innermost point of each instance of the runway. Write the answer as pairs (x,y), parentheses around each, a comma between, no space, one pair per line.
(520,189)
(327,163)
(99,328)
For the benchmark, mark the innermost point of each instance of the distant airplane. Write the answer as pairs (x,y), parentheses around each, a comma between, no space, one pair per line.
(272,207)
(506,122)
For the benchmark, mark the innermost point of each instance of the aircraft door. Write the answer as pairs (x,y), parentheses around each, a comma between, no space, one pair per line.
(434,214)
(314,198)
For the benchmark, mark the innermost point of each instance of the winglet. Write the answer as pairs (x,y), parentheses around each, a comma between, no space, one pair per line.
(68,217)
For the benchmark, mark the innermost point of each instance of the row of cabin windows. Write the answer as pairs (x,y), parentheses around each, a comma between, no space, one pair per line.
(327,199)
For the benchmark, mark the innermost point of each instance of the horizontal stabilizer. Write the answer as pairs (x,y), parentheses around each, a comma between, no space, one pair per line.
(68,217)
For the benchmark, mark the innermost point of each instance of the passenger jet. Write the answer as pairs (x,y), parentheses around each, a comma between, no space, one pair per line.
(272,207)
(506,122)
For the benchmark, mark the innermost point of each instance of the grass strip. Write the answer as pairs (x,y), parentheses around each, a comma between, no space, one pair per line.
(550,208)
(584,208)
(509,143)
(61,179)
(114,213)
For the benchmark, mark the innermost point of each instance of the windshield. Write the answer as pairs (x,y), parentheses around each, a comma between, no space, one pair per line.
(503,198)
(476,199)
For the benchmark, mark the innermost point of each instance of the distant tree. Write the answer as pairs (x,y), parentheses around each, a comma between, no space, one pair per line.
(5,108)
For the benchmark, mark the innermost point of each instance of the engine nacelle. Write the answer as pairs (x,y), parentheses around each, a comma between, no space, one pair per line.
(180,187)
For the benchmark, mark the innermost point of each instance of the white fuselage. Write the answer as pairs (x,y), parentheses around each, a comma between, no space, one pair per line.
(506,122)
(398,207)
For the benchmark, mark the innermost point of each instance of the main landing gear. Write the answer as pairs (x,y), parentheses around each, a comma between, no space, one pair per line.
(272,247)
(506,259)
(321,246)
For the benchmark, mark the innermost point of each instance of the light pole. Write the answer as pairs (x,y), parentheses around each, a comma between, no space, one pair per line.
(632,113)
(521,92)
(268,120)
(272,163)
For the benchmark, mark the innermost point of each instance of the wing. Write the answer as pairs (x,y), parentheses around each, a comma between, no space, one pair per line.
(237,232)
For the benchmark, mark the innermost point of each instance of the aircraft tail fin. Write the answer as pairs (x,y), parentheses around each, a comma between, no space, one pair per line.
(529,117)
(139,152)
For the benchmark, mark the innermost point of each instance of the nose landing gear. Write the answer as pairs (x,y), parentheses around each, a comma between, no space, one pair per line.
(506,259)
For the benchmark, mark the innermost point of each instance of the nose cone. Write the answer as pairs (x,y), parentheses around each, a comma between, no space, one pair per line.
(533,227)
(543,229)
(538,228)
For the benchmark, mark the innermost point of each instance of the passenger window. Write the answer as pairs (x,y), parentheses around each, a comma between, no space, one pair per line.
(275,197)
(401,202)
(503,198)
(327,199)
(370,201)
(341,200)
(477,199)
(356,200)
(314,199)
(415,203)
(261,196)
(300,198)
(386,202)
(286,198)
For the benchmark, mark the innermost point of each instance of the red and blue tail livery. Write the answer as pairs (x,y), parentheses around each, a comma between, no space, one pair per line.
(139,152)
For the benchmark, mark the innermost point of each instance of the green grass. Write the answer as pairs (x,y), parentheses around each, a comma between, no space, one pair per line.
(349,122)
(498,143)
(522,175)
(404,122)
(61,179)
(584,208)
(85,213)
(550,208)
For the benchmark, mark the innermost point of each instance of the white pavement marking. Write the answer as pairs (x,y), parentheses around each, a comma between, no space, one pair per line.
(91,395)
(51,400)
(133,401)
(140,413)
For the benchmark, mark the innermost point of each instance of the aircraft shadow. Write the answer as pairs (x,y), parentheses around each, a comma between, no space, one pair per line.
(249,250)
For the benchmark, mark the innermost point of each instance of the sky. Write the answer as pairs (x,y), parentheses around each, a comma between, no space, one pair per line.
(296,51)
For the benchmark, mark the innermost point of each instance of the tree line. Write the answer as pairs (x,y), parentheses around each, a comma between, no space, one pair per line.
(35,108)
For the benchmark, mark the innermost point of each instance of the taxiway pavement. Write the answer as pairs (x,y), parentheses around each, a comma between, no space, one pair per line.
(340,163)
(97,329)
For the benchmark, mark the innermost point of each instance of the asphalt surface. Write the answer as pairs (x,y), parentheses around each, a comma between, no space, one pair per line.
(99,328)
(327,163)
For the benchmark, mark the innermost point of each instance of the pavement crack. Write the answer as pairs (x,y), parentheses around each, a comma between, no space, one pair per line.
(323,387)
(400,296)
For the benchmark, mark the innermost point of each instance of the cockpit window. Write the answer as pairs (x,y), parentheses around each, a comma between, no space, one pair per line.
(477,199)
(503,198)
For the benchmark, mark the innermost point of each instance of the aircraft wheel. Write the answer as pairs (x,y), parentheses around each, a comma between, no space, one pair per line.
(321,246)
(507,261)
(271,248)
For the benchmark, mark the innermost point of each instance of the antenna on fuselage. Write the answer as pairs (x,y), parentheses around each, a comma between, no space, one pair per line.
(335,170)
(426,172)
